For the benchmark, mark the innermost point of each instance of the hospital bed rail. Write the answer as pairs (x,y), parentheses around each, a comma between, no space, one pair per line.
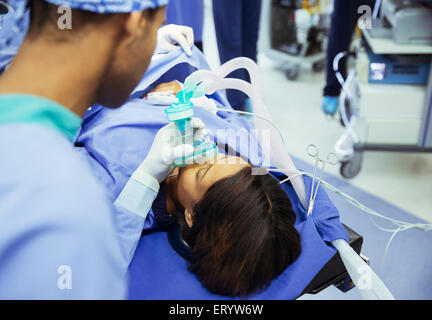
(289,34)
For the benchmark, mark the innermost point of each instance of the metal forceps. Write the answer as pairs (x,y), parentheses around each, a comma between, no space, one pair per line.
(313,151)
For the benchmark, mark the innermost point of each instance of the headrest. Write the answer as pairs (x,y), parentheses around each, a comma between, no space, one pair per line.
(177,243)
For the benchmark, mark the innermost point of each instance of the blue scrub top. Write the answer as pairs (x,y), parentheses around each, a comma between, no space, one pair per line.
(57,237)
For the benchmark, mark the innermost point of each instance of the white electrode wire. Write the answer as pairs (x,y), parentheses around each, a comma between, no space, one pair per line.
(376,9)
(395,232)
(236,83)
(208,81)
(327,185)
(289,178)
(349,124)
(330,187)
(344,84)
(401,225)
(251,114)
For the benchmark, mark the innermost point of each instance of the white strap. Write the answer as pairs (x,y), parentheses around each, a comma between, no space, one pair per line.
(146,179)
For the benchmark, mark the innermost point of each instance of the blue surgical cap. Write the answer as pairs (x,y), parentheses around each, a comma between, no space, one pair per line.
(110,6)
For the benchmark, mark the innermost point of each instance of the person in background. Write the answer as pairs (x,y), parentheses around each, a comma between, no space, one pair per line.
(188,13)
(237,25)
(343,22)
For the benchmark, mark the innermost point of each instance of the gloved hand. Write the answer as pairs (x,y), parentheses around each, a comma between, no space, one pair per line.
(206,103)
(166,147)
(170,37)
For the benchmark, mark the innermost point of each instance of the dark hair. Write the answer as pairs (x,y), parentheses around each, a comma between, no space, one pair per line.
(44,16)
(243,234)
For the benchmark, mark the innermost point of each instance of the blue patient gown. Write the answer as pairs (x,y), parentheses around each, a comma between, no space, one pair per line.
(115,142)
(56,232)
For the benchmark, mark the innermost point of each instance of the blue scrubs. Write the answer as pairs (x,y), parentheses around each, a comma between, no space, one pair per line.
(57,237)
(187,13)
(237,24)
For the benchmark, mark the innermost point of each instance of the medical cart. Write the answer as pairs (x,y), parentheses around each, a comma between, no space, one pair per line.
(395,112)
(294,32)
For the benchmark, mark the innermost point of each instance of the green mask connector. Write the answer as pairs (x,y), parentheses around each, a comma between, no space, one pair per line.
(181,113)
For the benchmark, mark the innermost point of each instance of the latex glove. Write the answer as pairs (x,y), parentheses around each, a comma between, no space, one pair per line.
(170,37)
(166,147)
(206,103)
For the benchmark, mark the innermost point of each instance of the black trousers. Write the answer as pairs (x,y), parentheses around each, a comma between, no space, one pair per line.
(237,25)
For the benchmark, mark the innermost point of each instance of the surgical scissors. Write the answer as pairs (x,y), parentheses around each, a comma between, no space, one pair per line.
(313,151)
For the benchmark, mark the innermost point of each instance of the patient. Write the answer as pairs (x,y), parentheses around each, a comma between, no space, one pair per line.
(240,226)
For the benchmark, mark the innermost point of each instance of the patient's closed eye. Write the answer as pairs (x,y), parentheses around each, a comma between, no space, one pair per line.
(201,173)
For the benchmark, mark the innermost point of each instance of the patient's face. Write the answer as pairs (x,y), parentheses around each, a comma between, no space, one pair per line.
(195,180)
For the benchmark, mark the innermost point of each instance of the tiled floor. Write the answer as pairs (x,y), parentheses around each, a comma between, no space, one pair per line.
(405,180)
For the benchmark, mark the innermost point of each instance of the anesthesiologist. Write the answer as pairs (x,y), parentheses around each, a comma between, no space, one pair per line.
(57,237)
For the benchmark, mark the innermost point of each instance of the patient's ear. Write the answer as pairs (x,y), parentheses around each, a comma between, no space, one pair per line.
(189,218)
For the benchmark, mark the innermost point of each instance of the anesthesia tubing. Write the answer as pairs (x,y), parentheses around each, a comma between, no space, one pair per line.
(208,82)
(296,173)
(355,265)
(400,225)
